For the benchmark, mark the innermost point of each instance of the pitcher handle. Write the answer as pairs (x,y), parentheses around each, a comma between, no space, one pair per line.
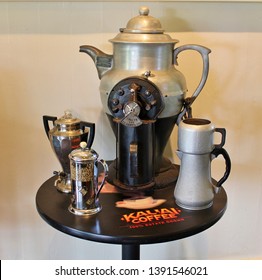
(204,53)
(46,120)
(105,167)
(222,131)
(91,133)
(221,151)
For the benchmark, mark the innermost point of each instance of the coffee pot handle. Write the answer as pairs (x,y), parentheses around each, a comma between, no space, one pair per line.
(223,138)
(105,167)
(218,150)
(204,53)
(91,134)
(221,151)
(46,120)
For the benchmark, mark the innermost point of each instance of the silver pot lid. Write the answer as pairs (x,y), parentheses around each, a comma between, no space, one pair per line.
(67,122)
(143,29)
(83,154)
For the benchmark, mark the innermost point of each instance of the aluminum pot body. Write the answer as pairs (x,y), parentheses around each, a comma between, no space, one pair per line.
(153,60)
(194,189)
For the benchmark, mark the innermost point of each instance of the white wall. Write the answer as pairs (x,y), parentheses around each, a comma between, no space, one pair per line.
(42,72)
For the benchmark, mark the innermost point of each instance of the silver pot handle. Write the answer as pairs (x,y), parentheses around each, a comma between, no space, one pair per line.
(204,53)
(105,171)
(46,120)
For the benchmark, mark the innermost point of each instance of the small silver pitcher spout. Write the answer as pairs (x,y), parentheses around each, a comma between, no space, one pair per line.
(84,177)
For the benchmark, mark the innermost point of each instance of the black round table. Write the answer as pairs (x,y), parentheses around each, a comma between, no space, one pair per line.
(128,227)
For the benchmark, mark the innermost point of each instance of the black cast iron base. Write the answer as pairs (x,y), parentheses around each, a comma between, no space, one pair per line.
(166,176)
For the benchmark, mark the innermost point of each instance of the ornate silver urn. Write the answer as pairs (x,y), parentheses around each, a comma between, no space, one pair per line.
(65,136)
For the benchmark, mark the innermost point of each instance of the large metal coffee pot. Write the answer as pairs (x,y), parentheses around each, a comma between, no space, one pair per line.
(140,84)
(66,135)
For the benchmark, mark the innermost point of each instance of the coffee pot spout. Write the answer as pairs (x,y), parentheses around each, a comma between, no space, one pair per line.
(103,61)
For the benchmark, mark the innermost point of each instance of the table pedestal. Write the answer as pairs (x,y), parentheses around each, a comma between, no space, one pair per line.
(130,252)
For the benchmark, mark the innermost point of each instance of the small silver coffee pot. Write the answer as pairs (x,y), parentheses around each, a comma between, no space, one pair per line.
(84,176)
(195,188)
(64,137)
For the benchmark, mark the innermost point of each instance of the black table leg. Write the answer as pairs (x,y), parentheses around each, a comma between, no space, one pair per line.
(130,252)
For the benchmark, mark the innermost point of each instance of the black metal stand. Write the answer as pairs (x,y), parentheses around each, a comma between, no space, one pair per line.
(130,252)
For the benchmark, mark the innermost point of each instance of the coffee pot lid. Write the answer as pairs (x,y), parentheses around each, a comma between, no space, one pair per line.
(67,120)
(83,154)
(143,29)
(144,23)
